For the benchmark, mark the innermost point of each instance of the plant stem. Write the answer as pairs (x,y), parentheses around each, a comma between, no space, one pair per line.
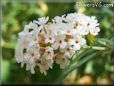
(83,54)
(98,48)
(77,66)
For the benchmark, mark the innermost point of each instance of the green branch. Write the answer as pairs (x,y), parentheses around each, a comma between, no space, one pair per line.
(77,66)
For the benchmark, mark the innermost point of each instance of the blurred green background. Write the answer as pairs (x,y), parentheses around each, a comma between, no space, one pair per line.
(16,14)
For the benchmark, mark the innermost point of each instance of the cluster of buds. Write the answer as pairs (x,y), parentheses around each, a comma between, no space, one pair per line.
(41,44)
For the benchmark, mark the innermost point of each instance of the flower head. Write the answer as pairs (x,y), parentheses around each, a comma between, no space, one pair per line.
(41,43)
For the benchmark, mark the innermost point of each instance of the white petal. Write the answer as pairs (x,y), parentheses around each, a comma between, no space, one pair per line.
(32,70)
(22,64)
(46,40)
(63,45)
(77,46)
(67,54)
(55,46)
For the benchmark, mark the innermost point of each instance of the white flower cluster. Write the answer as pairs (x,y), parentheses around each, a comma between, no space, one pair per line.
(41,43)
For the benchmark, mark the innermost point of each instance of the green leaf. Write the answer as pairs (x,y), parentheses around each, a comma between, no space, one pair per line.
(76,66)
(5,70)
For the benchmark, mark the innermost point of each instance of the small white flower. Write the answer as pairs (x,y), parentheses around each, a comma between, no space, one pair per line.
(68,51)
(95,31)
(68,29)
(92,22)
(34,51)
(30,67)
(19,54)
(44,64)
(62,61)
(33,38)
(30,57)
(58,19)
(42,21)
(82,30)
(57,28)
(49,38)
(59,42)
(92,26)
(77,42)
(22,45)
(30,27)
(49,53)
(70,17)
(22,40)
